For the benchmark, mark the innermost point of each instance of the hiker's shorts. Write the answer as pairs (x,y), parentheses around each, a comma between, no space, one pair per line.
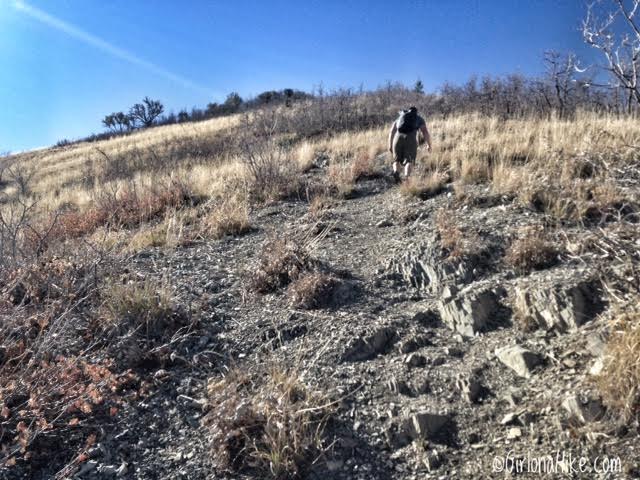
(405,147)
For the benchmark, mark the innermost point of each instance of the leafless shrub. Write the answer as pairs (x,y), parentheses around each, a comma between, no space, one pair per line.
(47,385)
(269,422)
(272,176)
(312,290)
(16,220)
(281,262)
(531,250)
(320,204)
(451,236)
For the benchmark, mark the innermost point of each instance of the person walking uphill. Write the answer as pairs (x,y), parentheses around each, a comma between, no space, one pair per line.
(403,140)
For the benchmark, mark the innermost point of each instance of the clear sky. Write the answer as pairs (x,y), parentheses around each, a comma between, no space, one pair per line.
(64,64)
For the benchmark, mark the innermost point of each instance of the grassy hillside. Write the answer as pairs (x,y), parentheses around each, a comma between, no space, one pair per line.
(94,320)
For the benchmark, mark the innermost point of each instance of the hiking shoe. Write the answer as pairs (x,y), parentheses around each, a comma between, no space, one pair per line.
(396,177)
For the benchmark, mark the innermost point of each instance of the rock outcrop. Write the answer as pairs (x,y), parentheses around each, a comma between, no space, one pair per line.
(425,268)
(562,307)
(468,313)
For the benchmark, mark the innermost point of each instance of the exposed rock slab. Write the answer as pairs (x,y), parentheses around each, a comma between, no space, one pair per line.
(468,313)
(367,347)
(426,269)
(562,307)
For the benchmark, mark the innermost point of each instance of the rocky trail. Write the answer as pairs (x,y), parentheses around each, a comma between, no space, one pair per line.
(432,376)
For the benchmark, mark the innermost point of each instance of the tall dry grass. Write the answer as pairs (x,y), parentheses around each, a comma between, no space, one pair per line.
(570,169)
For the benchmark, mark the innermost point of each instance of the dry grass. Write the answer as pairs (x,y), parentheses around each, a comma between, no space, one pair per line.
(568,169)
(423,184)
(281,262)
(129,207)
(452,238)
(312,290)
(619,381)
(305,155)
(340,177)
(173,231)
(269,422)
(320,204)
(531,250)
(144,307)
(228,217)
(343,175)
(69,175)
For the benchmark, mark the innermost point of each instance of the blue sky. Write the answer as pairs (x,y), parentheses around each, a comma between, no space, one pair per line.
(64,64)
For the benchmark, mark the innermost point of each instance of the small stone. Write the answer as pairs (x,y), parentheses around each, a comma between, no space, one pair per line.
(514,432)
(449,291)
(509,419)
(415,360)
(109,470)
(368,347)
(596,345)
(597,367)
(424,425)
(398,386)
(470,388)
(161,374)
(585,410)
(334,465)
(384,223)
(454,352)
(519,359)
(432,460)
(122,470)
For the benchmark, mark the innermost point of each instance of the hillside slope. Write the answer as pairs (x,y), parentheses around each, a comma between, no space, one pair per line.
(421,331)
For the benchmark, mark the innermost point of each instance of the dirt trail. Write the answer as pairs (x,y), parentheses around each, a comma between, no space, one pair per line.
(386,350)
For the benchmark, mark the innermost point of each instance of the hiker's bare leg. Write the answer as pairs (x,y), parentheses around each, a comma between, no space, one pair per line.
(395,167)
(407,169)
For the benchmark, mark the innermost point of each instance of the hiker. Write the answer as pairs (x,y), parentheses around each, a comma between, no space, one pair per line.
(403,140)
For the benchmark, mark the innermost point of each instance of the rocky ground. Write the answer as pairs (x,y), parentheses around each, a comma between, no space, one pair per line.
(432,374)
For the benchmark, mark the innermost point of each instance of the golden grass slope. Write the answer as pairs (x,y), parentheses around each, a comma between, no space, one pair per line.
(515,156)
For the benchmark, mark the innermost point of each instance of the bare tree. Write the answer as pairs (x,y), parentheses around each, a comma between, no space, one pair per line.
(146,112)
(118,122)
(615,31)
(561,70)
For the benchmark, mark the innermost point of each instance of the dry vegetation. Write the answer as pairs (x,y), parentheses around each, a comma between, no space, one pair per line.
(312,290)
(280,263)
(531,250)
(452,238)
(230,216)
(67,212)
(424,185)
(619,381)
(266,421)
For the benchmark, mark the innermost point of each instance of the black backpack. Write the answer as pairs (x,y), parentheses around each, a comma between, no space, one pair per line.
(408,121)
